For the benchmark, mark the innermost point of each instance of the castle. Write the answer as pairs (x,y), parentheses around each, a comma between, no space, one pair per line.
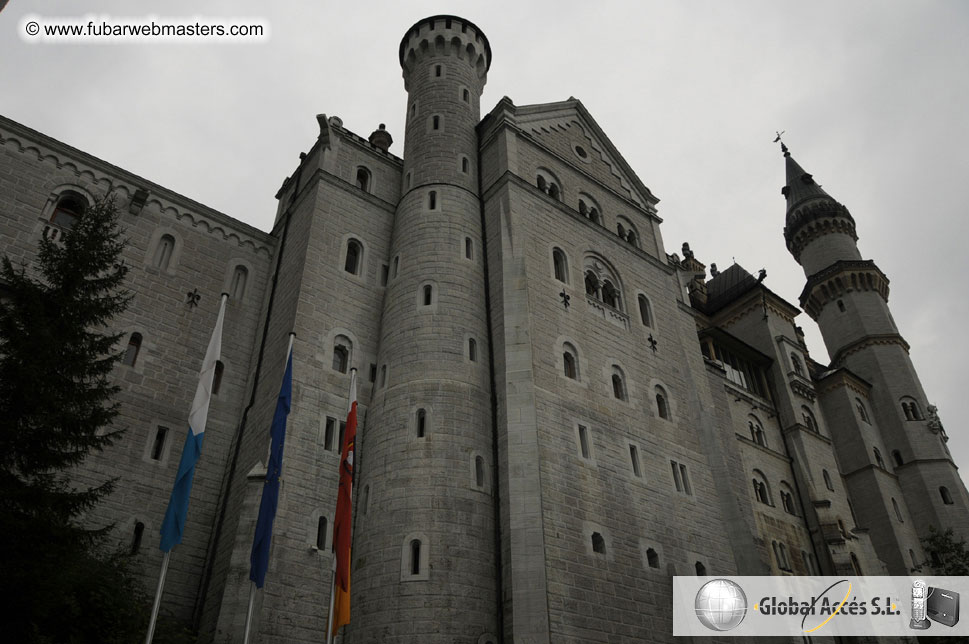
(557,415)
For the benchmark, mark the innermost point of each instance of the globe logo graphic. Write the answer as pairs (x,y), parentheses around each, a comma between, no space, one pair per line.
(721,605)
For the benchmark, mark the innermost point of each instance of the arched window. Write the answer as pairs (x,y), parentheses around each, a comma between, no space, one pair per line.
(163,252)
(570,361)
(785,562)
(662,406)
(560,265)
(898,511)
(541,183)
(610,295)
(341,353)
(897,457)
(69,208)
(432,200)
(827,480)
(554,192)
(383,375)
(809,420)
(591,285)
(645,311)
(363,179)
(598,543)
(946,497)
(472,350)
(631,237)
(240,276)
(415,557)
(701,570)
(354,255)
(618,387)
(757,432)
(321,533)
(787,499)
(465,164)
(421,422)
(136,536)
(878,458)
(479,474)
(217,377)
(468,248)
(621,231)
(436,122)
(652,559)
(428,295)
(911,409)
(796,363)
(131,353)
(862,412)
(396,266)
(761,490)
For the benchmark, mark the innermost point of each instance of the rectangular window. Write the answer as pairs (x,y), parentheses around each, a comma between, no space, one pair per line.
(158,446)
(583,441)
(343,429)
(686,480)
(328,434)
(384,272)
(634,458)
(676,476)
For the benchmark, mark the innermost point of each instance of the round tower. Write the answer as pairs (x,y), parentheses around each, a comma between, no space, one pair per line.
(424,540)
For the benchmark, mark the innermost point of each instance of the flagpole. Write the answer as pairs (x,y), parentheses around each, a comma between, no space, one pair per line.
(252,600)
(329,617)
(158,594)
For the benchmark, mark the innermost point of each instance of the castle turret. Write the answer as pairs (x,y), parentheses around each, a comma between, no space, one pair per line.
(424,542)
(893,445)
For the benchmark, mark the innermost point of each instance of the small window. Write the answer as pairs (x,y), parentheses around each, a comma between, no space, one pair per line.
(396,265)
(136,536)
(240,275)
(343,431)
(662,407)
(841,306)
(569,362)
(217,377)
(384,274)
(415,557)
(413,109)
(465,95)
(855,565)
(363,179)
(862,412)
(131,353)
(787,499)
(897,457)
(432,200)
(809,420)
(465,164)
(681,478)
(652,559)
(584,450)
(761,489)
(479,474)
(163,253)
(328,434)
(911,410)
(645,314)
(383,376)
(321,533)
(946,497)
(436,122)
(757,432)
(158,445)
(365,502)
(898,511)
(468,248)
(438,70)
(618,388)
(878,458)
(554,192)
(598,543)
(67,211)
(796,363)
(701,570)
(915,562)
(472,350)
(827,480)
(428,295)
(354,255)
(785,562)
(560,267)
(610,295)
(341,353)
(634,460)
(421,423)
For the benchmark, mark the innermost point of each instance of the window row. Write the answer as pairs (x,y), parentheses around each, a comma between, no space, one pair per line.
(571,369)
(784,563)
(133,351)
(587,206)
(342,357)
(600,285)
(354,264)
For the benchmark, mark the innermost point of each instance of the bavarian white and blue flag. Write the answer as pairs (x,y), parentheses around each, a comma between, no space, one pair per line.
(173,525)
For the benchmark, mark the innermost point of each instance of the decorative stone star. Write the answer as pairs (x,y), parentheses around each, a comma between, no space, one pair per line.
(193,297)
(565,298)
(652,342)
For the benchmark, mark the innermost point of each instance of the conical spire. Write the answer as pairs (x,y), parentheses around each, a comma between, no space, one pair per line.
(808,202)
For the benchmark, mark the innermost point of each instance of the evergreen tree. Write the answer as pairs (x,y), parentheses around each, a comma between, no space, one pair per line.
(58,584)
(946,555)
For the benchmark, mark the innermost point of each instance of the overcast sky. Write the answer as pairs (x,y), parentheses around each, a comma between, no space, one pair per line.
(873,95)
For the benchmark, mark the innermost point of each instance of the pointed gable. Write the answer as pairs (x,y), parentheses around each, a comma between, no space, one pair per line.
(568,130)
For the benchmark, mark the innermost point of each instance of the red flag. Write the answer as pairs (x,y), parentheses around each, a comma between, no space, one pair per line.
(343,518)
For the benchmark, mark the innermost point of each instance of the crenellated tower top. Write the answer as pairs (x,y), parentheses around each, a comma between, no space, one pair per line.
(445,35)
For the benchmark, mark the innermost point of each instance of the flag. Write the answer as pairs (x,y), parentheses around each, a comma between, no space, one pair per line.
(173,525)
(342,521)
(259,558)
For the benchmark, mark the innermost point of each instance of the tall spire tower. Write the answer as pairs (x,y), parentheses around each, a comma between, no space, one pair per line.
(895,444)
(425,549)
